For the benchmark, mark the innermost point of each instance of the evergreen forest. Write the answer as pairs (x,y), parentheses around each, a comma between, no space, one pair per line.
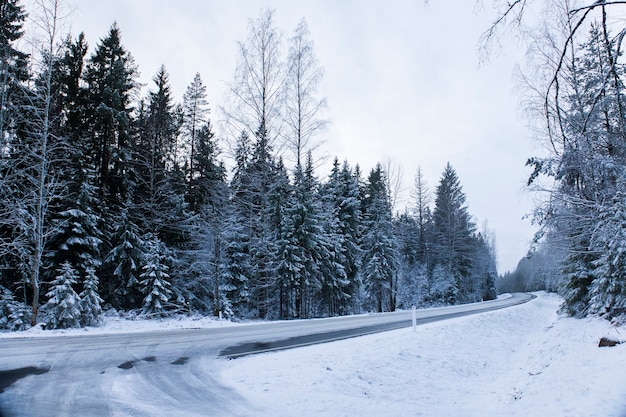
(117,196)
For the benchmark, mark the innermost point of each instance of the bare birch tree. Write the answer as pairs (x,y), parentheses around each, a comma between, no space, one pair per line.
(254,98)
(302,110)
(40,185)
(394,179)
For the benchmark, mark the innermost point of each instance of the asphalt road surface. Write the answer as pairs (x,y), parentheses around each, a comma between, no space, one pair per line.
(167,372)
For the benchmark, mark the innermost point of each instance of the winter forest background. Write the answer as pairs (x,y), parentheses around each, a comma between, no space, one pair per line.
(117,198)
(116,195)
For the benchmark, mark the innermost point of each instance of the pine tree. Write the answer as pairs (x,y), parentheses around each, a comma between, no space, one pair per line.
(287,256)
(155,282)
(207,197)
(157,201)
(195,113)
(238,233)
(341,195)
(14,315)
(412,283)
(453,239)
(607,291)
(380,254)
(63,307)
(90,301)
(78,237)
(13,66)
(123,264)
(110,75)
(316,251)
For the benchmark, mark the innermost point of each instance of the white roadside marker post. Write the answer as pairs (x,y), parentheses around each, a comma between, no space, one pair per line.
(414,316)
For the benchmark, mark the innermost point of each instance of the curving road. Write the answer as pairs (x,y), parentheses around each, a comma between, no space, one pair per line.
(169,372)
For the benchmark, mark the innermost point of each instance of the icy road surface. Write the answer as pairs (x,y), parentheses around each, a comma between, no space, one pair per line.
(156,373)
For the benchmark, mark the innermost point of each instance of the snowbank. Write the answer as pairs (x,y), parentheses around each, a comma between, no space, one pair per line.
(522,361)
(114,323)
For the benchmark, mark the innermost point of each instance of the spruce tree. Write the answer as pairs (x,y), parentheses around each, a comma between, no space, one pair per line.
(155,283)
(78,238)
(14,315)
(453,228)
(90,301)
(63,307)
(110,76)
(344,225)
(207,197)
(412,282)
(195,111)
(157,201)
(260,174)
(14,247)
(288,255)
(607,291)
(587,162)
(380,253)
(238,232)
(123,264)
(316,252)
(13,66)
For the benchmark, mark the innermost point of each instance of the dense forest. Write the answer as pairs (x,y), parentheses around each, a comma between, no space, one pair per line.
(112,197)
(578,102)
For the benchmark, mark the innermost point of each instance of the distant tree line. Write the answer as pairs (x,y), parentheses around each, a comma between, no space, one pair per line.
(110,198)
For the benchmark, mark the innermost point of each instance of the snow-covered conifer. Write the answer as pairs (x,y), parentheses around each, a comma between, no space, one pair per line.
(155,279)
(63,307)
(608,290)
(125,260)
(379,245)
(13,314)
(90,301)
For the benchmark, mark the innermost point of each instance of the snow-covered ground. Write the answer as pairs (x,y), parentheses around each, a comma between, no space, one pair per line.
(113,323)
(521,361)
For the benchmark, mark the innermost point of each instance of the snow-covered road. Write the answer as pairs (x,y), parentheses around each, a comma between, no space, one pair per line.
(155,372)
(174,372)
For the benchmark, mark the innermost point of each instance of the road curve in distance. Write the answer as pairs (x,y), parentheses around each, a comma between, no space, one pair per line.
(369,325)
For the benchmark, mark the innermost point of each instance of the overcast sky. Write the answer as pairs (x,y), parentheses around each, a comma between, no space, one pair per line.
(402,81)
